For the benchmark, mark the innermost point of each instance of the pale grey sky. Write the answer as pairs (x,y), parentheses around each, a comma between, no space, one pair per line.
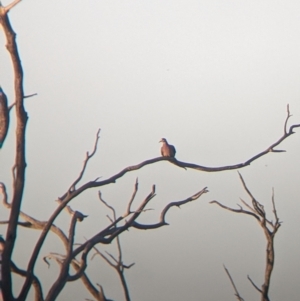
(214,78)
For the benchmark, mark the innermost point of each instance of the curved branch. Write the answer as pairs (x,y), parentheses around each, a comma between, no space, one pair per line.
(162,221)
(36,282)
(65,267)
(178,163)
(98,294)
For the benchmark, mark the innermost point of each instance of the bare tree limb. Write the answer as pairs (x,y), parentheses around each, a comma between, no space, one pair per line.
(241,210)
(30,95)
(36,282)
(33,223)
(20,161)
(97,294)
(162,221)
(238,296)
(254,285)
(287,119)
(128,211)
(112,231)
(10,6)
(270,228)
(64,271)
(118,265)
(73,192)
(85,163)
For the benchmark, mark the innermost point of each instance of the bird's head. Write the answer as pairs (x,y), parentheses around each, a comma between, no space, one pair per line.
(163,140)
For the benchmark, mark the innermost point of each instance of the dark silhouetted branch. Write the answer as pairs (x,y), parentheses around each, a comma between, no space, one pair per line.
(85,163)
(38,296)
(270,228)
(162,221)
(20,161)
(238,296)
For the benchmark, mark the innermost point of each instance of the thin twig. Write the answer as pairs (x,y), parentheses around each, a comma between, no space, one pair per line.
(233,285)
(88,157)
(255,286)
(128,210)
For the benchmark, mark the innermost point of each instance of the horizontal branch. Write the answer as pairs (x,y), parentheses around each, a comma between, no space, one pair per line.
(182,164)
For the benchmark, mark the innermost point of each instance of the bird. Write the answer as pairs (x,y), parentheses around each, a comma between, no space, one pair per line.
(4,116)
(167,150)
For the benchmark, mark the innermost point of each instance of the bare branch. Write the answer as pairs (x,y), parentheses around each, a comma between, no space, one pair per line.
(119,267)
(270,228)
(287,118)
(88,157)
(36,282)
(74,192)
(10,6)
(97,294)
(241,210)
(106,236)
(30,95)
(108,206)
(113,178)
(233,285)
(247,205)
(274,209)
(162,221)
(25,96)
(103,256)
(20,160)
(136,186)
(246,188)
(59,258)
(23,224)
(255,286)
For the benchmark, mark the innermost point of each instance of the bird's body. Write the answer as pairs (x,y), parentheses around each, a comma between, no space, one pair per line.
(4,117)
(167,150)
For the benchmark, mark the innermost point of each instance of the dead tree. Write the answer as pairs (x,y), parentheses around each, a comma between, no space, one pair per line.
(269,227)
(75,256)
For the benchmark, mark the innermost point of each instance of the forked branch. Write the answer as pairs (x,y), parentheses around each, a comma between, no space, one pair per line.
(85,163)
(162,221)
(269,227)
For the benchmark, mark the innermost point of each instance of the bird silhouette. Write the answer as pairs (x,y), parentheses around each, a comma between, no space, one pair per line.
(167,150)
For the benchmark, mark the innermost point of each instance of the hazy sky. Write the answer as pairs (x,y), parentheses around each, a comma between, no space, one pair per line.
(214,78)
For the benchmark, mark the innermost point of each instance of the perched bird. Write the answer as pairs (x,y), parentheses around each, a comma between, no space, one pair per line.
(4,116)
(167,150)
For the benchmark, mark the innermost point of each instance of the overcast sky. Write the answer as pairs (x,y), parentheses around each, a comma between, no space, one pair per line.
(214,77)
